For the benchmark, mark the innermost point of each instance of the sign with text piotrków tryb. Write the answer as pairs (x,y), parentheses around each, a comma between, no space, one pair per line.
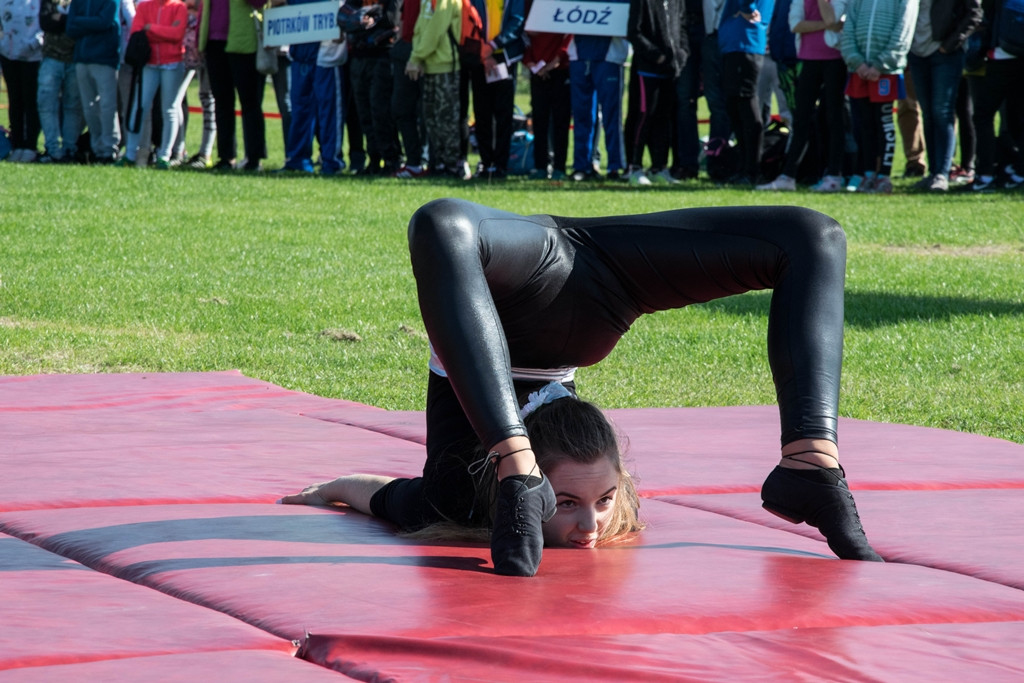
(294,24)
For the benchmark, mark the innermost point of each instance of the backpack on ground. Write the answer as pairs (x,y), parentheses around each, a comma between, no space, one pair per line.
(1010,27)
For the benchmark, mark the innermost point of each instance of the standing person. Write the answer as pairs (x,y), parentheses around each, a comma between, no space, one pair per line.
(584,281)
(657,31)
(95,27)
(315,93)
(876,40)
(596,79)
(822,76)
(407,96)
(21,50)
(547,58)
(60,105)
(494,85)
(165,23)
(371,29)
(227,39)
(936,61)
(743,40)
(434,61)
(194,61)
(1000,91)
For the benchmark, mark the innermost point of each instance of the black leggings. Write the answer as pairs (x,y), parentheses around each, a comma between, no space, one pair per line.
(500,290)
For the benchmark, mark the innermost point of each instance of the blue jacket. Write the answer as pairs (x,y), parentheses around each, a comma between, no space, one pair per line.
(736,34)
(97,32)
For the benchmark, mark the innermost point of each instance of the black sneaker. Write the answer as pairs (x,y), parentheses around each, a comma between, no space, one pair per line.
(224,165)
(980,185)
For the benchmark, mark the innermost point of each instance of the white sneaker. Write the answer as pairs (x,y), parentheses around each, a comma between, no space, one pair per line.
(782,183)
(638,177)
(830,183)
(663,177)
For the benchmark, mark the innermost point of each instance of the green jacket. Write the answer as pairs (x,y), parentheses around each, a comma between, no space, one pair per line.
(879,33)
(431,45)
(241,28)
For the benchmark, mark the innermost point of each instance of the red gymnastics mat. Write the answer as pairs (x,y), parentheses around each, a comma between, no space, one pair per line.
(139,541)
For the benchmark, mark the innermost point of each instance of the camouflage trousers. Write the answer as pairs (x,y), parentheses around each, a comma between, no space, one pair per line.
(441,116)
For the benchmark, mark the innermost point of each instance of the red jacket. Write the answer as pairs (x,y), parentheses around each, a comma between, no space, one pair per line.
(168,21)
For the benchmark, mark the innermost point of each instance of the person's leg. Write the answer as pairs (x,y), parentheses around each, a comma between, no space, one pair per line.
(299,151)
(110,134)
(658,122)
(583,114)
(833,83)
(325,85)
(172,91)
(362,75)
(911,132)
(137,146)
(711,73)
(964,119)
(90,105)
(72,123)
(609,82)
(686,154)
(209,107)
(740,71)
(808,86)
(637,98)
(249,83)
(886,139)
(483,113)
(222,88)
(48,102)
(540,105)
(282,90)
(383,122)
(405,104)
(561,116)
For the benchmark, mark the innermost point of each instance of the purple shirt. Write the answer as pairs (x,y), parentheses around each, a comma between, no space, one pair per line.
(220,17)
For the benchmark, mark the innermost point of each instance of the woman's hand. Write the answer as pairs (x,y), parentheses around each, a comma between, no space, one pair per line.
(314,494)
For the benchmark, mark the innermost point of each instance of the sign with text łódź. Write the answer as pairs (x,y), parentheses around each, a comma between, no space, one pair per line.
(294,24)
(580,18)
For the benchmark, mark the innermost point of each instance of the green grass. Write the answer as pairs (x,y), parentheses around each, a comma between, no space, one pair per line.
(305,282)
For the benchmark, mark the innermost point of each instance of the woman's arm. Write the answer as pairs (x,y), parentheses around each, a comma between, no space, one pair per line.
(353,490)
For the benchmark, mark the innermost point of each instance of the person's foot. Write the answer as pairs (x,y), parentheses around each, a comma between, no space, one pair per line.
(639,178)
(524,502)
(822,498)
(938,183)
(662,177)
(162,165)
(882,185)
(410,172)
(537,174)
(740,181)
(914,169)
(830,184)
(782,183)
(224,165)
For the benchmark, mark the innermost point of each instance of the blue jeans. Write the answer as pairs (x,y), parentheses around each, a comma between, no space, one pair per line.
(605,79)
(936,79)
(172,84)
(60,107)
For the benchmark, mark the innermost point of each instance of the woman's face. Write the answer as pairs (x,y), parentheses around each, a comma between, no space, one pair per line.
(586,499)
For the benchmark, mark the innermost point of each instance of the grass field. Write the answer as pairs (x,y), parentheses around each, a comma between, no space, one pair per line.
(305,282)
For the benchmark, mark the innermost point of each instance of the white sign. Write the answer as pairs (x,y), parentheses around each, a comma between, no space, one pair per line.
(294,24)
(579,18)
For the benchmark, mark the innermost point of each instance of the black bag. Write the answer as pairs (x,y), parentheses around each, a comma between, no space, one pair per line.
(136,55)
(137,52)
(773,150)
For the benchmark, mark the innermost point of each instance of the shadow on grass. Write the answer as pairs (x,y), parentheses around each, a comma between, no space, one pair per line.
(874,309)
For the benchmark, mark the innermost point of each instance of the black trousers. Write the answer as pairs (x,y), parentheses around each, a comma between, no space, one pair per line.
(22,80)
(649,121)
(493,107)
(232,73)
(551,100)
(823,80)
(740,72)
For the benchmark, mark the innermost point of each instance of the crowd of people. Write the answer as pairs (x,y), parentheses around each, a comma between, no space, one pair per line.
(405,78)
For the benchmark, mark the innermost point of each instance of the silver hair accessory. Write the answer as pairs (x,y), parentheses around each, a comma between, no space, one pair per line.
(552,391)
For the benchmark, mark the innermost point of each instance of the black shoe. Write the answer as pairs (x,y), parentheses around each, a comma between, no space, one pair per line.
(524,503)
(740,181)
(224,165)
(914,169)
(253,166)
(827,506)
